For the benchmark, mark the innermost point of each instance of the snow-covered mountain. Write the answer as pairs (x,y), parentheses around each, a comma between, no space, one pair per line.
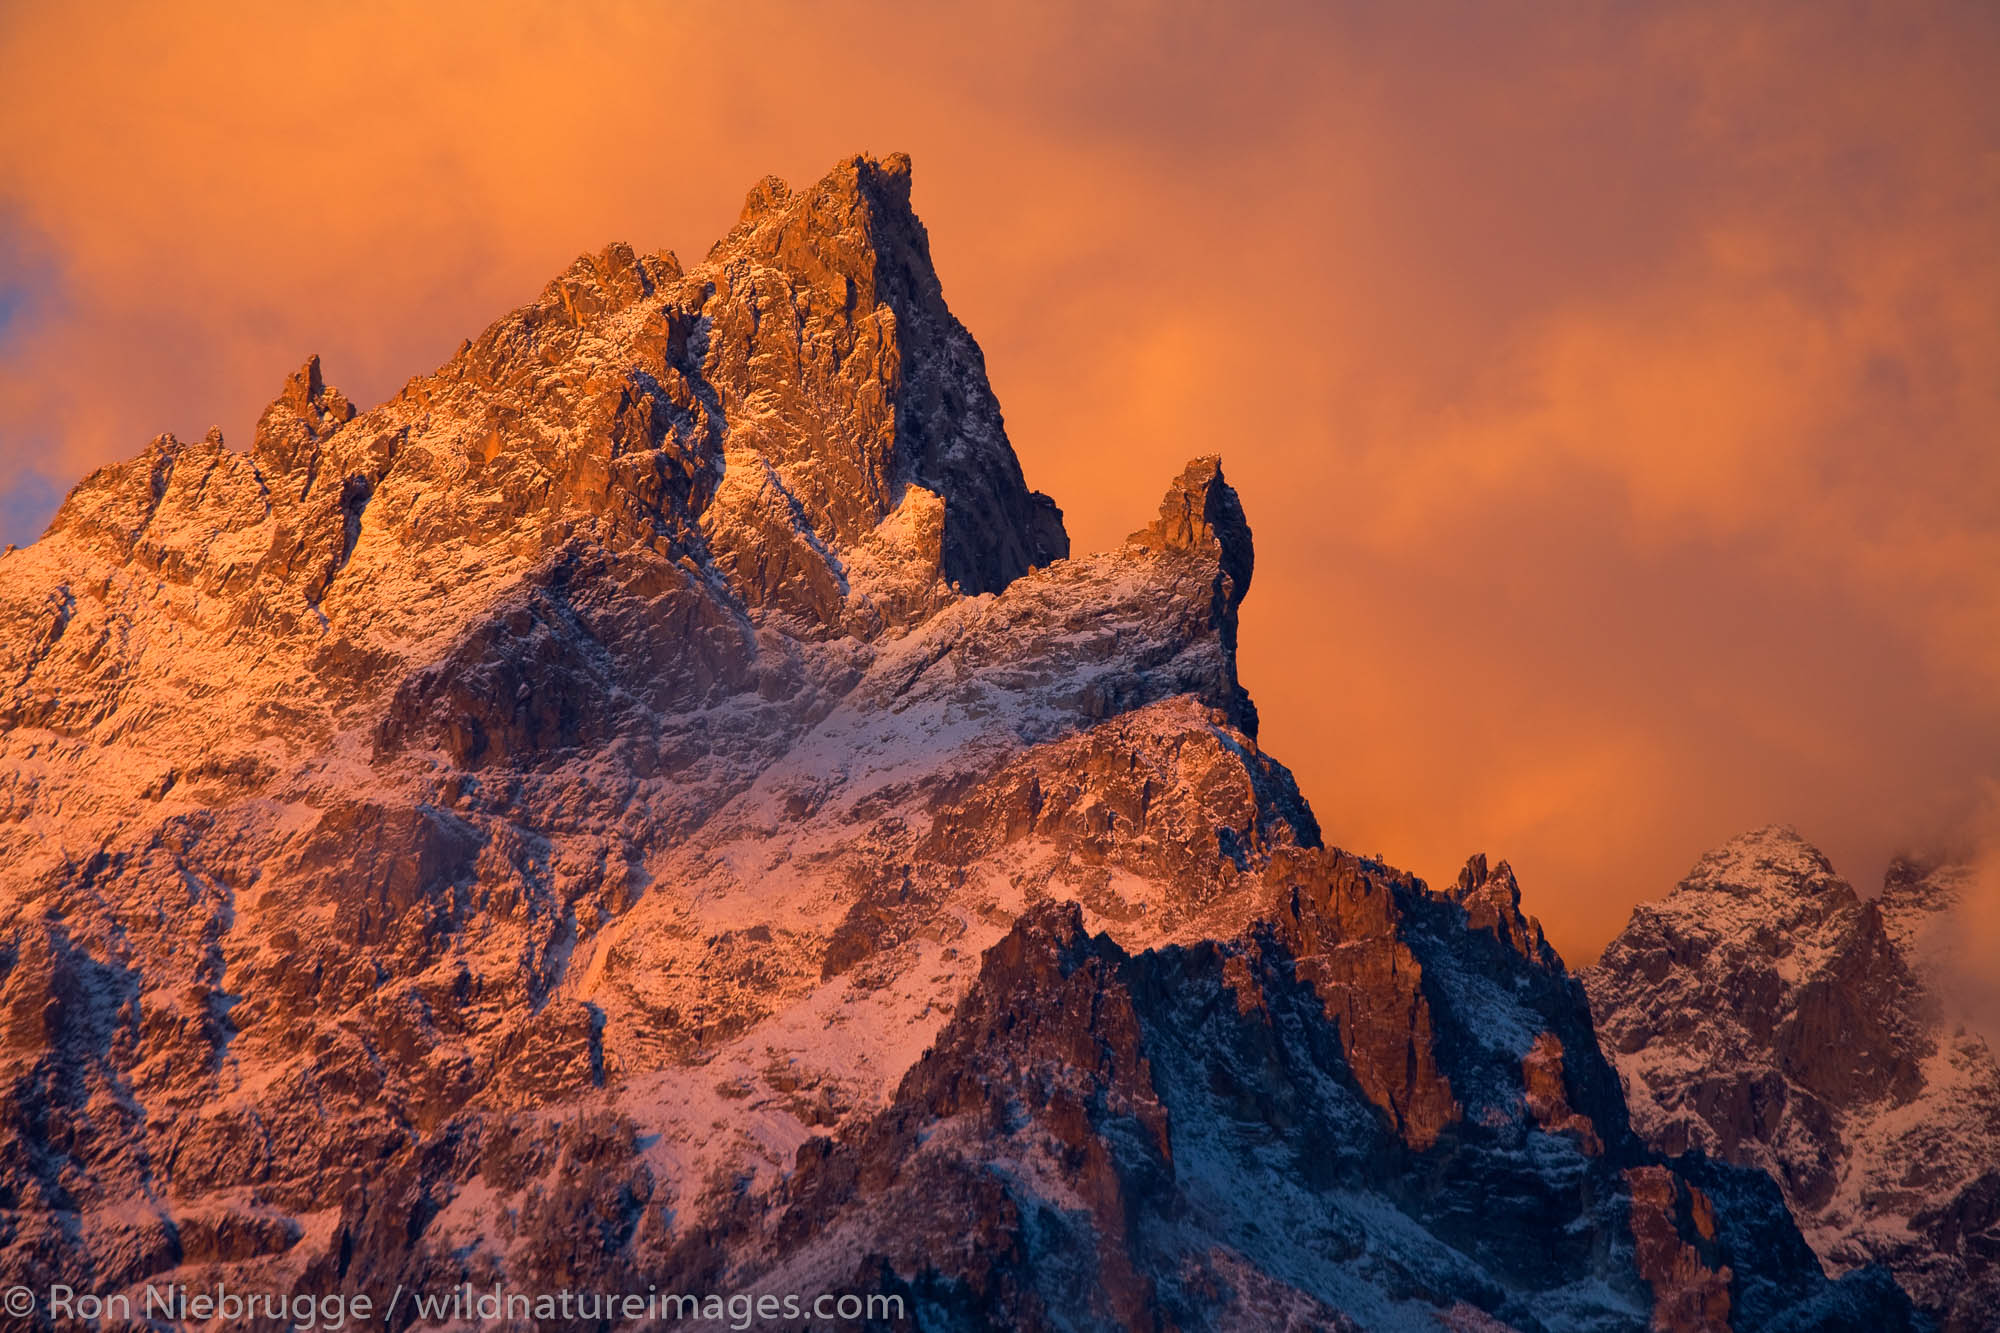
(656,805)
(1767,1014)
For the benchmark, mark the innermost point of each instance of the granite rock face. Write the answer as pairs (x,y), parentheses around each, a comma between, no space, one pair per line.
(656,803)
(1768,1015)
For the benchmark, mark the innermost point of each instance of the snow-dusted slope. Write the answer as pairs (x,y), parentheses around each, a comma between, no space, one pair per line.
(607,814)
(1766,1013)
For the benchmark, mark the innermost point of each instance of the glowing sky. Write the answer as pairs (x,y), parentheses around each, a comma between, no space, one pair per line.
(1614,390)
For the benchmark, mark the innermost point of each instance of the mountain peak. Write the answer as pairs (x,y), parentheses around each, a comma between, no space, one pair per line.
(1924,884)
(1202,512)
(305,411)
(802,412)
(1767,1015)
(1763,860)
(852,261)
(855,225)
(883,182)
(1491,897)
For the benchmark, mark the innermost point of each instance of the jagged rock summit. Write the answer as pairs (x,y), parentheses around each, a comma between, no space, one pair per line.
(654,805)
(1766,1013)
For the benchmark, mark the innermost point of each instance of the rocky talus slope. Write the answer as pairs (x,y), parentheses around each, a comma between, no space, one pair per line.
(1767,1014)
(656,803)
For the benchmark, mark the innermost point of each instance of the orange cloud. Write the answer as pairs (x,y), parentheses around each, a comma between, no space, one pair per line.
(1612,392)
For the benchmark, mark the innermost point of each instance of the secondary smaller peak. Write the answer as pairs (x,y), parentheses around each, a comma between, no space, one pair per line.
(1202,512)
(306,410)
